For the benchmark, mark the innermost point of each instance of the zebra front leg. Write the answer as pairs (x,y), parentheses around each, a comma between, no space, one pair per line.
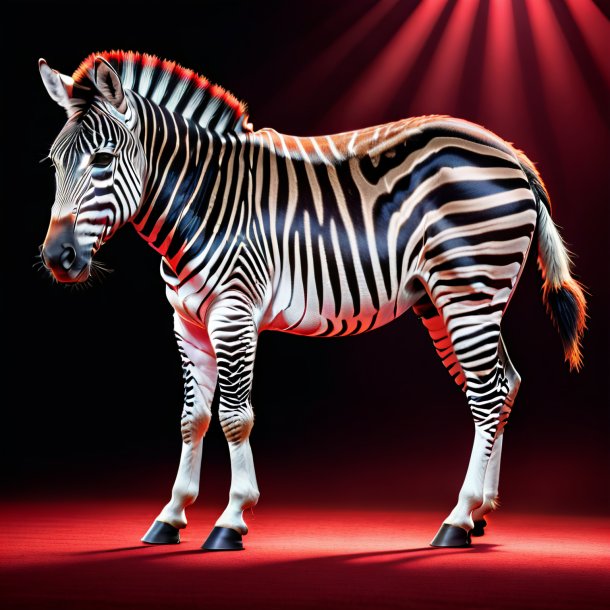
(199,369)
(234,335)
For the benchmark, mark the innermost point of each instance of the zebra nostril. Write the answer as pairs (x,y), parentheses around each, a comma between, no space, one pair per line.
(68,256)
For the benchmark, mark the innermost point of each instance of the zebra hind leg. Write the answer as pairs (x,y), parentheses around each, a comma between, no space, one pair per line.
(466,334)
(487,399)
(492,474)
(432,320)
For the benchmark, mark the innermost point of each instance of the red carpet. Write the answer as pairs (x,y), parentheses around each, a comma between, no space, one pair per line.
(87,555)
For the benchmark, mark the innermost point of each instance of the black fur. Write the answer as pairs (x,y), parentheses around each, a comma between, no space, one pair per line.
(537,187)
(564,310)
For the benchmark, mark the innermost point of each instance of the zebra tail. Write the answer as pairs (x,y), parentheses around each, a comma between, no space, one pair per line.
(562,295)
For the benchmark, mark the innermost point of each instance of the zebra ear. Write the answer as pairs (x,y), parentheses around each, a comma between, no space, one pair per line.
(108,83)
(59,86)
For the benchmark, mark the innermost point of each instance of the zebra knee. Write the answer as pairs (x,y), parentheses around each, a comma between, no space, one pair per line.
(236,423)
(195,421)
(491,397)
(513,379)
(514,383)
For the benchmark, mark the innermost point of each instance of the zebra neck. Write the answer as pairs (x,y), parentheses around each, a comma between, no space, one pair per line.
(179,207)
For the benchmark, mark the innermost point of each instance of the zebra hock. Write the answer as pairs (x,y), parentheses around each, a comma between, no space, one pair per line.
(320,236)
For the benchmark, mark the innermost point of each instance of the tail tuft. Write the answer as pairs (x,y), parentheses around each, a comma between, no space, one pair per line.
(567,307)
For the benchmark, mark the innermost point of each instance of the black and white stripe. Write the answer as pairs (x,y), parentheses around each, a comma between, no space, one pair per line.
(320,236)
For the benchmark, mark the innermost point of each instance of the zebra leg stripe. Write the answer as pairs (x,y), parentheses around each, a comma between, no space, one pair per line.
(234,336)
(425,310)
(199,368)
(492,474)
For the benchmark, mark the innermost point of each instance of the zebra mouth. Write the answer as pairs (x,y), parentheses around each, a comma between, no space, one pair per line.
(72,276)
(84,273)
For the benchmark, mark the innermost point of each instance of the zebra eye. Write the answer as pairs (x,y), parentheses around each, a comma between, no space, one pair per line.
(101,159)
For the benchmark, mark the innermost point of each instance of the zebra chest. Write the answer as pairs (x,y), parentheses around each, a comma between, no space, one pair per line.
(189,298)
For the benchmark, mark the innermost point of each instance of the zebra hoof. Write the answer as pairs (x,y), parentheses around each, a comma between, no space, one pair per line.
(161,533)
(451,536)
(479,528)
(223,539)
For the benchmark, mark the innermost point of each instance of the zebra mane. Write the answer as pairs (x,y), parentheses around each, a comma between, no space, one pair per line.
(178,89)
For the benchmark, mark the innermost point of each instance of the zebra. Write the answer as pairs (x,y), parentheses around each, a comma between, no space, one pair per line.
(324,236)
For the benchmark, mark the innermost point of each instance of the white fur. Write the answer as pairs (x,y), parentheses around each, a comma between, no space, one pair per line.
(196,346)
(553,258)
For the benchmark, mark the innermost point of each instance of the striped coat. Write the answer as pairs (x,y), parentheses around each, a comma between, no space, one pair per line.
(318,236)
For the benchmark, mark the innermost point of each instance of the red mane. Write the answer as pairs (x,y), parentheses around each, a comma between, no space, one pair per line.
(137,62)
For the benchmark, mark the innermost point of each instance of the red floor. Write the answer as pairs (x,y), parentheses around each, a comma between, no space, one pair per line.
(87,555)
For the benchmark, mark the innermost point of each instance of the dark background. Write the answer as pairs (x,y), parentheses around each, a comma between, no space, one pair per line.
(373,419)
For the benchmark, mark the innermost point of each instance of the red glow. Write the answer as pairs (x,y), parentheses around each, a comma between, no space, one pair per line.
(168,66)
(376,88)
(185,73)
(566,90)
(503,97)
(596,32)
(439,89)
(87,555)
(150,60)
(325,64)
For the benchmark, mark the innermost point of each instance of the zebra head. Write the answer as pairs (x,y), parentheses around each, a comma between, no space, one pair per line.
(100,168)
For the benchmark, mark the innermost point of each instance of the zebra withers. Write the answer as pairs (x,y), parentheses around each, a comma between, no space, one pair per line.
(319,236)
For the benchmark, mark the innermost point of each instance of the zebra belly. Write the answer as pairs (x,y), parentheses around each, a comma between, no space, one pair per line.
(302,313)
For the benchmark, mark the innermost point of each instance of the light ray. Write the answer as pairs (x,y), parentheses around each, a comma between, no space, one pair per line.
(503,97)
(374,91)
(322,67)
(562,78)
(596,32)
(438,92)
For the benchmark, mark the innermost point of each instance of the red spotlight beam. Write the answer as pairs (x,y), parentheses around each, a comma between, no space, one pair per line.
(375,89)
(322,67)
(438,92)
(595,28)
(563,82)
(503,103)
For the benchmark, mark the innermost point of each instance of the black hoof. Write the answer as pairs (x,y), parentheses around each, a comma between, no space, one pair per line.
(479,528)
(451,536)
(223,539)
(161,533)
